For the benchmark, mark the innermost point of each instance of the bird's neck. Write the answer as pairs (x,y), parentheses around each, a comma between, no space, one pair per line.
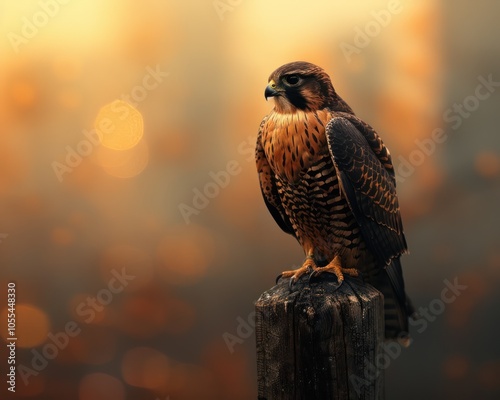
(293,141)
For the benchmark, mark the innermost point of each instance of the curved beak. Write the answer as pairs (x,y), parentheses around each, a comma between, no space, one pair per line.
(271,90)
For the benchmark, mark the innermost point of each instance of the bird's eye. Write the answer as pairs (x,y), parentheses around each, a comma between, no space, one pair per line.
(292,80)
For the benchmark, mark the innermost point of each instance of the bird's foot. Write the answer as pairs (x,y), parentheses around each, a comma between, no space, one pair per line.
(334,267)
(294,275)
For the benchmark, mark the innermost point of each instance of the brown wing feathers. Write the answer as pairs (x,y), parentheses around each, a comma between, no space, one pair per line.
(369,189)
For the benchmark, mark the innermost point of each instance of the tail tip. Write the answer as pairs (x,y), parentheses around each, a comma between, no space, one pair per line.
(405,340)
(402,338)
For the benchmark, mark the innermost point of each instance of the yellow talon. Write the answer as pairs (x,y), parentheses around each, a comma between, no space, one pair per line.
(335,267)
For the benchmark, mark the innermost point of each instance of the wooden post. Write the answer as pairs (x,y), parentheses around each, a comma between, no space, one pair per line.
(320,341)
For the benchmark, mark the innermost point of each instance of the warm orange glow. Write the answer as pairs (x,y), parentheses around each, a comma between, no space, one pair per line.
(23,94)
(164,314)
(180,316)
(99,386)
(234,366)
(146,367)
(69,99)
(176,146)
(430,176)
(37,385)
(487,164)
(462,310)
(234,201)
(14,164)
(77,219)
(185,254)
(494,263)
(112,159)
(61,236)
(32,325)
(136,262)
(126,163)
(138,323)
(119,125)
(67,68)
(442,253)
(94,345)
(79,310)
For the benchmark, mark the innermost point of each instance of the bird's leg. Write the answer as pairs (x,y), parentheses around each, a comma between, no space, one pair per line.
(294,275)
(335,267)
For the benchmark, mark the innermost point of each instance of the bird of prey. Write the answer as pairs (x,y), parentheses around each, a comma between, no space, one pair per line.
(327,179)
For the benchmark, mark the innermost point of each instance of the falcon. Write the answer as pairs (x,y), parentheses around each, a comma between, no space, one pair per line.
(327,179)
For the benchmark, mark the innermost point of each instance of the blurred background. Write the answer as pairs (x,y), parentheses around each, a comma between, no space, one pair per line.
(130,207)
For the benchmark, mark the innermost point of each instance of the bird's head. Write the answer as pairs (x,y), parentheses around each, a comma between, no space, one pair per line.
(303,86)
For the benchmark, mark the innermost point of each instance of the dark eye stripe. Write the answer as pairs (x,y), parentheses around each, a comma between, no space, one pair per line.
(296,98)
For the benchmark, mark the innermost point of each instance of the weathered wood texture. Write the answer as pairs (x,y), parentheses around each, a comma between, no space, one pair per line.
(320,341)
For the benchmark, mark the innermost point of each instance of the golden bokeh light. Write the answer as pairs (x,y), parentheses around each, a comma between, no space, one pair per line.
(14,163)
(176,146)
(180,316)
(111,159)
(185,254)
(66,68)
(77,219)
(124,164)
(493,263)
(239,203)
(140,324)
(164,314)
(119,125)
(100,386)
(69,99)
(61,236)
(23,94)
(487,164)
(461,311)
(233,365)
(37,385)
(80,310)
(32,325)
(430,176)
(146,367)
